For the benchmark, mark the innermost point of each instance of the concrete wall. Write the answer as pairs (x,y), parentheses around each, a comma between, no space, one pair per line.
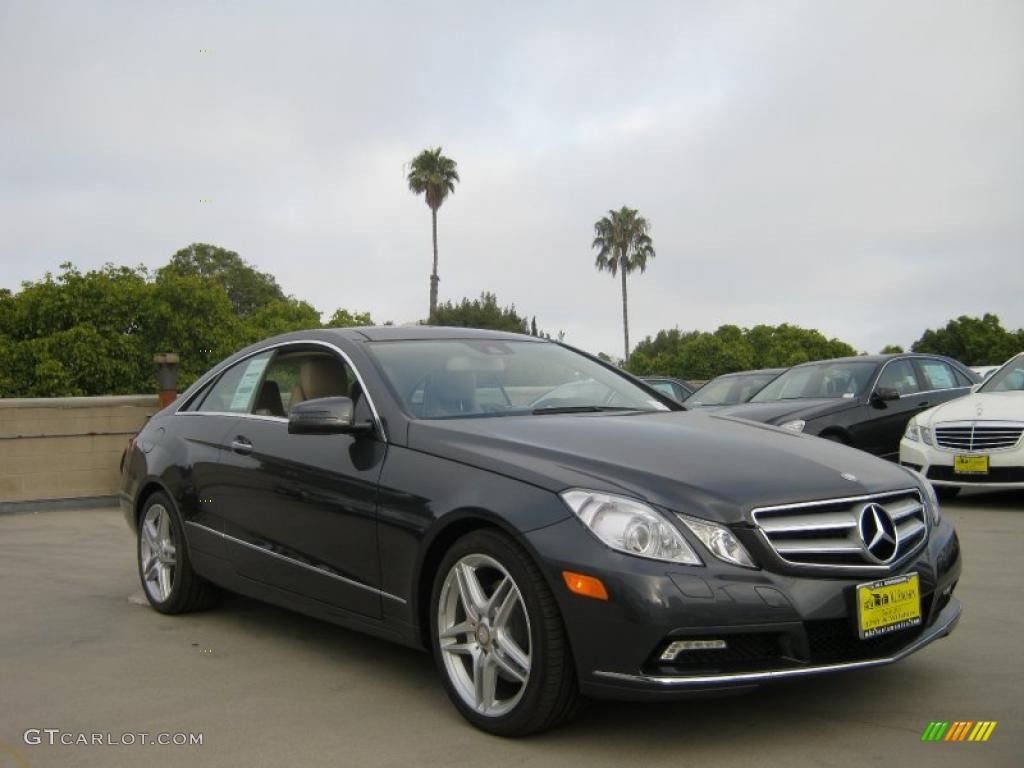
(66,447)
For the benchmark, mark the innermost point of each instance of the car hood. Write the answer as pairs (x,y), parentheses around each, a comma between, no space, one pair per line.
(780,411)
(980,406)
(689,461)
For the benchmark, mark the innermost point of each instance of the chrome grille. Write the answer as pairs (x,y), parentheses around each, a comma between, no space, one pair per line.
(831,533)
(978,435)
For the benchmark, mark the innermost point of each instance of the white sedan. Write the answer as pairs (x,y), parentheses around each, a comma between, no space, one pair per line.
(973,441)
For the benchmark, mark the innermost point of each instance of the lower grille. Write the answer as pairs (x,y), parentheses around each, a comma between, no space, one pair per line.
(994,475)
(835,640)
(978,435)
(877,531)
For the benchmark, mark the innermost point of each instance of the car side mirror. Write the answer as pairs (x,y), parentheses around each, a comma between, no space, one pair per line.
(323,416)
(885,394)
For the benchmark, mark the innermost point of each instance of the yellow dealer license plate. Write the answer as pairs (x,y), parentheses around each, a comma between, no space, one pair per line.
(970,465)
(888,605)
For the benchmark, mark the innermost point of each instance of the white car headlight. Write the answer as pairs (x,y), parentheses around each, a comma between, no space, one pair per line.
(630,526)
(916,433)
(797,425)
(719,540)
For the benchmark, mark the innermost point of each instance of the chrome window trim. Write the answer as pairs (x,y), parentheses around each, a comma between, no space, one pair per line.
(202,382)
(293,561)
(911,360)
(866,567)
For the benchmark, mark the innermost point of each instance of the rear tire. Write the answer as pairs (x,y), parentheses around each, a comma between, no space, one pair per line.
(498,639)
(835,437)
(946,492)
(168,580)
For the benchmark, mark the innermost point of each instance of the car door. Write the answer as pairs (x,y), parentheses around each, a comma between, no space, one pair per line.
(884,421)
(202,425)
(300,511)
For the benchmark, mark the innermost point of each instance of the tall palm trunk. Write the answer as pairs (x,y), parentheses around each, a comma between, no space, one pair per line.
(625,317)
(434,279)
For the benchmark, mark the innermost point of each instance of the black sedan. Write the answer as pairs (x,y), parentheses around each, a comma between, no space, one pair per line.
(732,388)
(863,401)
(544,525)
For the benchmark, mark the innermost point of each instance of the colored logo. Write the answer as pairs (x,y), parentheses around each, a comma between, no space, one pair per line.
(959,730)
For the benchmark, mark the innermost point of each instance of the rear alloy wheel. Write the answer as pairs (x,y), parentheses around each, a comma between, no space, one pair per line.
(498,638)
(170,583)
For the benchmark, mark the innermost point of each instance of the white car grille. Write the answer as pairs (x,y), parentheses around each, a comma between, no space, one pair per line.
(978,435)
(839,533)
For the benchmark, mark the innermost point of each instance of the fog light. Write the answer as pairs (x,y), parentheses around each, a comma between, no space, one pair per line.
(679,646)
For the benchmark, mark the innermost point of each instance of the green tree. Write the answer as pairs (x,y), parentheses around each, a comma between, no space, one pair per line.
(484,312)
(972,340)
(702,355)
(623,245)
(280,316)
(434,176)
(342,318)
(248,288)
(892,349)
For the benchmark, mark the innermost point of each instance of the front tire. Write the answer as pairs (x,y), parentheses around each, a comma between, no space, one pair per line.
(168,579)
(498,639)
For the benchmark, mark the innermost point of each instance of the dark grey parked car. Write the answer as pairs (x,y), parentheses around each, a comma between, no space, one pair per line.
(539,522)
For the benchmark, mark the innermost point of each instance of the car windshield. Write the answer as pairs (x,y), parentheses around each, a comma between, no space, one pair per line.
(847,378)
(1009,378)
(730,390)
(436,379)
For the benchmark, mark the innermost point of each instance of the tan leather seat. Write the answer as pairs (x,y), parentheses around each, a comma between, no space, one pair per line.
(320,377)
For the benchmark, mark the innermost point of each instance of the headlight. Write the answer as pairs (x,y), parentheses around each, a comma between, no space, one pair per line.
(931,499)
(797,425)
(630,526)
(719,540)
(916,433)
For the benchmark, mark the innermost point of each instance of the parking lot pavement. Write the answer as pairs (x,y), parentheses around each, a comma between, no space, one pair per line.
(267,687)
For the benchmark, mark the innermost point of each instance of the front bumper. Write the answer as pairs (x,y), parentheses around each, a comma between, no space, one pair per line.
(621,685)
(776,625)
(1006,467)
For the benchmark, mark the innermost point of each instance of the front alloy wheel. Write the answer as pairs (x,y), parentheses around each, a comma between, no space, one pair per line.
(498,638)
(484,634)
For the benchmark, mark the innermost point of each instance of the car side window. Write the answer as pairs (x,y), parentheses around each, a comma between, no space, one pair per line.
(299,374)
(938,375)
(899,375)
(236,387)
(665,387)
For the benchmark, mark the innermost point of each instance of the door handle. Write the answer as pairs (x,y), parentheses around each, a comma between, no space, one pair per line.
(241,445)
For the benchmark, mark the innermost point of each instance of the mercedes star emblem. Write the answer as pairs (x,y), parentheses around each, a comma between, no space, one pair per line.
(878,532)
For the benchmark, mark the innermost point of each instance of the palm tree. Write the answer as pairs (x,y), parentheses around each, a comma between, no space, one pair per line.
(624,246)
(433,175)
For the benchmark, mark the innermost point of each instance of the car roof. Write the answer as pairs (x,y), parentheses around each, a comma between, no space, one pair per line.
(417,332)
(751,373)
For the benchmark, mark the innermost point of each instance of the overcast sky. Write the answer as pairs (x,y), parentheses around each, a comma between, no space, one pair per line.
(854,166)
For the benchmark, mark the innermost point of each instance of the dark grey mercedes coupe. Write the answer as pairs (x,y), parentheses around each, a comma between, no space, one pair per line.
(544,524)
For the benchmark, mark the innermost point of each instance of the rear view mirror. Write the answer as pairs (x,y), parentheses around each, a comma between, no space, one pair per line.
(884,394)
(322,416)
